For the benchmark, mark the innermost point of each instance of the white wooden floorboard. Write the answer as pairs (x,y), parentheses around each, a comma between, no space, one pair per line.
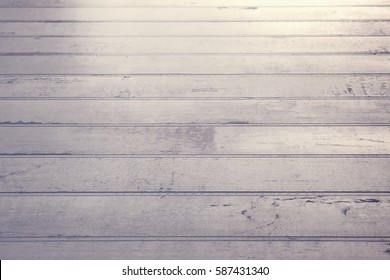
(228,176)
(195,112)
(195,140)
(191,14)
(215,216)
(195,64)
(195,250)
(194,29)
(196,87)
(195,45)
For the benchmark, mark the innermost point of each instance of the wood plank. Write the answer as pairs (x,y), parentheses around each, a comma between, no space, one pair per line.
(196,45)
(56,175)
(214,216)
(196,14)
(205,3)
(325,87)
(195,140)
(188,29)
(195,250)
(187,64)
(194,111)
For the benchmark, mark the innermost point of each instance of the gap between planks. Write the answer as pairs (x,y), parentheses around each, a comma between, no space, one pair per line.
(199,74)
(197,21)
(194,239)
(162,194)
(232,124)
(99,156)
(199,98)
(38,53)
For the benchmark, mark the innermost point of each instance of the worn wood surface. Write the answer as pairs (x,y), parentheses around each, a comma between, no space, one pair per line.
(192,140)
(196,45)
(192,14)
(197,175)
(194,29)
(195,111)
(196,86)
(181,129)
(224,216)
(194,64)
(196,250)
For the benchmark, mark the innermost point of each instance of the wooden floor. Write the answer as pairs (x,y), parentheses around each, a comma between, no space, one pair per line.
(194,129)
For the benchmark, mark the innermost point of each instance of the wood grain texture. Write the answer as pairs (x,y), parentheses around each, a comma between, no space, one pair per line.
(194,250)
(214,216)
(196,14)
(181,87)
(186,3)
(199,129)
(191,29)
(201,175)
(195,140)
(196,45)
(187,64)
(195,112)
